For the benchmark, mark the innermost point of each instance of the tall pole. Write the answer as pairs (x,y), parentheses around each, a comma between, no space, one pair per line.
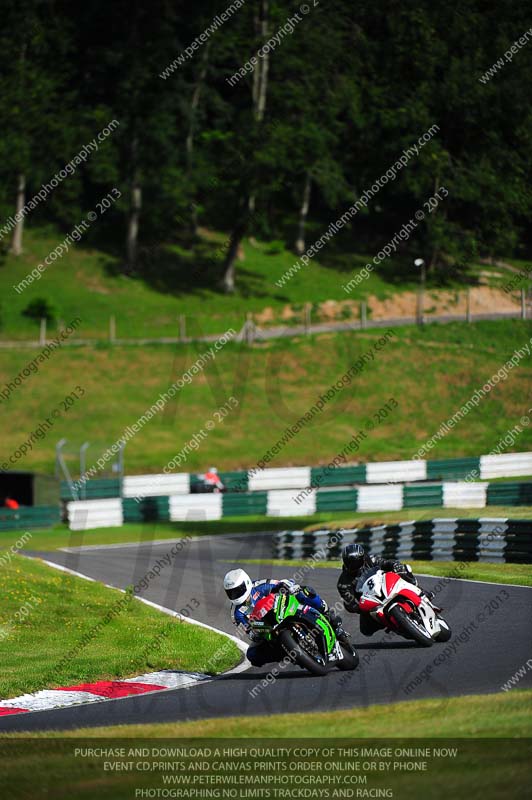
(82,467)
(419,262)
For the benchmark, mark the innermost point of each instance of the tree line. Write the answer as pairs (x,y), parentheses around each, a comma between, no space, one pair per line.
(268,119)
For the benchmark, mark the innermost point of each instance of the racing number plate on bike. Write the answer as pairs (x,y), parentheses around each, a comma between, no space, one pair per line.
(372,586)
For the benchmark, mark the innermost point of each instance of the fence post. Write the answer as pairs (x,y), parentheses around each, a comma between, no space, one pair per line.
(468,306)
(363,314)
(250,328)
(308,308)
(420,306)
(42,334)
(182,328)
(112,329)
(523,304)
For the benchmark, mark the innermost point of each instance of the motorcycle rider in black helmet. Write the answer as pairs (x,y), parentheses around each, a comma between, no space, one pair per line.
(356,562)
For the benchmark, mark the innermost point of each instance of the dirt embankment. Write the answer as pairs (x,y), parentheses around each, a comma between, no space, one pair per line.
(482,299)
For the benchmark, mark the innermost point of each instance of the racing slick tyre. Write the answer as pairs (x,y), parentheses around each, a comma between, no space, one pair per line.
(445,633)
(350,659)
(410,627)
(295,652)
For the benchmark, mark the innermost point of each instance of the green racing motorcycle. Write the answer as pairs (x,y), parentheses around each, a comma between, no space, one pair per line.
(305,635)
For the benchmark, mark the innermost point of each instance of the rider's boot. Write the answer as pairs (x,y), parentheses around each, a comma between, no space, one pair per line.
(336,622)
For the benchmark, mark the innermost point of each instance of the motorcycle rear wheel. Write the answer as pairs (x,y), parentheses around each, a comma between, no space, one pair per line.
(408,627)
(303,659)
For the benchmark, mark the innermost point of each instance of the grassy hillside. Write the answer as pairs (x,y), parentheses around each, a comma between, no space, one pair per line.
(430,372)
(172,281)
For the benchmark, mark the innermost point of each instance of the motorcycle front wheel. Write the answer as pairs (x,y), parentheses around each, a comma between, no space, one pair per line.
(410,628)
(445,632)
(350,659)
(300,656)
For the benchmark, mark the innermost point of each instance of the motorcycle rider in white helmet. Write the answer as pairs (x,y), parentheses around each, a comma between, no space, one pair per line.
(244,593)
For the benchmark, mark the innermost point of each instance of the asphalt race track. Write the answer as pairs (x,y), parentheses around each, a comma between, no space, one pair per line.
(491,623)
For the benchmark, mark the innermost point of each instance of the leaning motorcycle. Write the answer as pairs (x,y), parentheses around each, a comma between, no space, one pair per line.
(401,607)
(305,635)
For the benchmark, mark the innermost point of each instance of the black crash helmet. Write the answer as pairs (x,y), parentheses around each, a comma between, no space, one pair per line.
(354,557)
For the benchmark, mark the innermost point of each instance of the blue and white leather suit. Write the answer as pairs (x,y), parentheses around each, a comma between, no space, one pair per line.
(264,652)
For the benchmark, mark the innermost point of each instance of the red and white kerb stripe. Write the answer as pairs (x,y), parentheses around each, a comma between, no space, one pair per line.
(83,693)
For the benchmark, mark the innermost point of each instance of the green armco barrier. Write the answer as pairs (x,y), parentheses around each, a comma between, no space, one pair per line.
(29,517)
(97,489)
(509,494)
(453,469)
(235,505)
(342,476)
(420,496)
(149,509)
(341,500)
(235,481)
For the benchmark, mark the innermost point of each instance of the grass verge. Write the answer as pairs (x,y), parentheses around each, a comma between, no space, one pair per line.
(59,536)
(514,574)
(466,760)
(494,715)
(407,514)
(57,630)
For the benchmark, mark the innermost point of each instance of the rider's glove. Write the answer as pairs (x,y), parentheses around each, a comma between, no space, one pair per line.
(406,571)
(402,569)
(286,586)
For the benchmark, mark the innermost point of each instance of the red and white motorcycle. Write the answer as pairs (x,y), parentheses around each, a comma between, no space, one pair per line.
(401,607)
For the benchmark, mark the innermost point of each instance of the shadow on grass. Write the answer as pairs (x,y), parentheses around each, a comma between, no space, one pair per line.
(241,525)
(193,268)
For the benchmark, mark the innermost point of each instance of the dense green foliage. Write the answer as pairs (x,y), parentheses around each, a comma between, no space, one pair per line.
(345,92)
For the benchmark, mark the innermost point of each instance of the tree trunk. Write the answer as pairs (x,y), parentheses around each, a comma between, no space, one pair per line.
(261,85)
(239,231)
(135,206)
(303,214)
(189,143)
(435,250)
(133,225)
(260,77)
(259,95)
(18,231)
(16,245)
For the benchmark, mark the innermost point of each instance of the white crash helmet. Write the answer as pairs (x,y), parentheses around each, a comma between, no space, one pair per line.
(238,586)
